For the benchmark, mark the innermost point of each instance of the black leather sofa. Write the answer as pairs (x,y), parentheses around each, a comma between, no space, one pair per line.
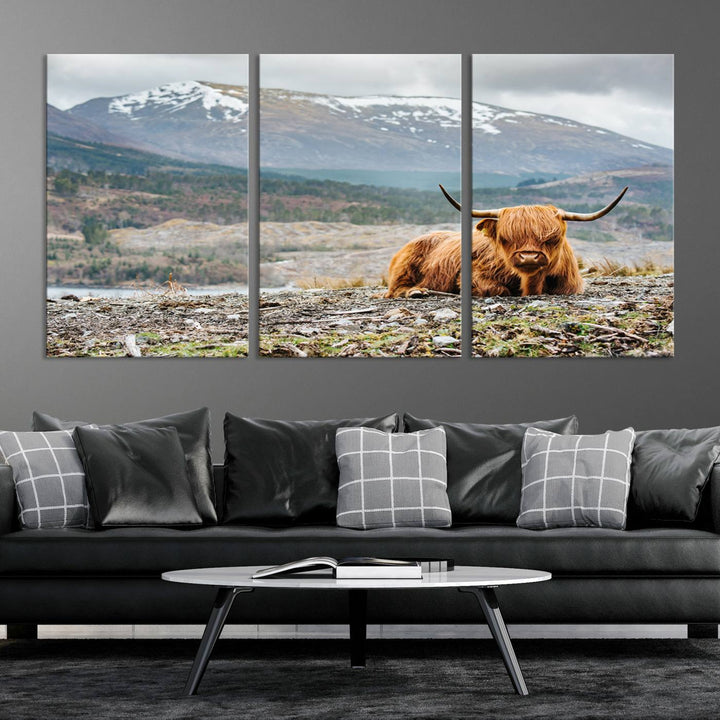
(640,575)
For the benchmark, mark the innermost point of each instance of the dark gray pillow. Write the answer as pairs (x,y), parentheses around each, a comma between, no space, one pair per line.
(49,478)
(575,480)
(43,422)
(285,472)
(483,466)
(714,498)
(392,479)
(670,469)
(194,430)
(136,476)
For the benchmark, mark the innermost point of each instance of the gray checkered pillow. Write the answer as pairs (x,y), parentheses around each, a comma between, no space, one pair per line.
(49,478)
(392,479)
(575,480)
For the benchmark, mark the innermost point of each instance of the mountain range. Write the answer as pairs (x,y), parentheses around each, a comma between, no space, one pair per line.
(207,122)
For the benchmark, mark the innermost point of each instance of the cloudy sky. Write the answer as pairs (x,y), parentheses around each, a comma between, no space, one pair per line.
(434,75)
(73,79)
(630,94)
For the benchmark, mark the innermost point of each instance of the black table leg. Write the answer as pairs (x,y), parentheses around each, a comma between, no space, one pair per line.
(357,600)
(221,608)
(488,602)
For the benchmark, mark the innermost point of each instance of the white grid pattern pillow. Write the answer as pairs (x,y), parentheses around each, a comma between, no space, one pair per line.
(49,478)
(392,479)
(575,480)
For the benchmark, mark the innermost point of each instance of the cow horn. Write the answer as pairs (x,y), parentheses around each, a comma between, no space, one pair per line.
(592,216)
(475,213)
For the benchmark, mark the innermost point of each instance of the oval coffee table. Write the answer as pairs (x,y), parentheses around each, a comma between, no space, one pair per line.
(479,581)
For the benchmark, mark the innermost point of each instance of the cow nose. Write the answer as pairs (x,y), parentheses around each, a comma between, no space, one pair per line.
(529,257)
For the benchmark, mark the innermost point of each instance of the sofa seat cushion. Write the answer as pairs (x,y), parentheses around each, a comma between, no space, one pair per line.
(562,551)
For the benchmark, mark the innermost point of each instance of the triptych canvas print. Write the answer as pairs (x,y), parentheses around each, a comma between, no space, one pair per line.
(360,245)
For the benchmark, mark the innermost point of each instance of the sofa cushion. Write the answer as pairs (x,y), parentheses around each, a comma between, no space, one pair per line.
(392,479)
(282,472)
(483,465)
(575,480)
(42,422)
(712,498)
(49,478)
(8,500)
(562,551)
(136,476)
(193,427)
(669,472)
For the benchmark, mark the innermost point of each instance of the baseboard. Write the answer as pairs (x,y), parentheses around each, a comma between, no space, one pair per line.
(446,631)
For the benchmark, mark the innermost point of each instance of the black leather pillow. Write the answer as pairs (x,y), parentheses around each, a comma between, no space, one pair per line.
(285,472)
(670,469)
(193,428)
(136,476)
(483,466)
(715,497)
(47,423)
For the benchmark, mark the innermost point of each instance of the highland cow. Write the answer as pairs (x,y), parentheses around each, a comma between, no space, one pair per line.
(515,251)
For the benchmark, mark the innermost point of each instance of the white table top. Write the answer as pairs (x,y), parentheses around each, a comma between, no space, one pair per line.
(461,576)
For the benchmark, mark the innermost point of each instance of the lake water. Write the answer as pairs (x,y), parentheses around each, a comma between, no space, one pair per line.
(55,292)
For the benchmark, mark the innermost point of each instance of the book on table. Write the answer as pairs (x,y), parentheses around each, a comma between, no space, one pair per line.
(433,565)
(351,568)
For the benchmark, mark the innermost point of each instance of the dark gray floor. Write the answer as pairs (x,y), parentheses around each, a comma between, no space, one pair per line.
(404,679)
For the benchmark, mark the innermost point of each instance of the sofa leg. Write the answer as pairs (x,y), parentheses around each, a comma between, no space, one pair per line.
(22,631)
(702,630)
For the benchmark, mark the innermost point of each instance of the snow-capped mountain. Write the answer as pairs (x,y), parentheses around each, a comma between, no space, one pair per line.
(207,122)
(374,132)
(200,121)
(216,103)
(519,142)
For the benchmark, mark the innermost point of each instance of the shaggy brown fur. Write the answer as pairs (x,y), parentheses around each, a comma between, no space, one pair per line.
(523,252)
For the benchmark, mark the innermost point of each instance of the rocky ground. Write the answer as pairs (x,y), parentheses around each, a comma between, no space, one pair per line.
(630,316)
(358,322)
(615,316)
(626,316)
(151,324)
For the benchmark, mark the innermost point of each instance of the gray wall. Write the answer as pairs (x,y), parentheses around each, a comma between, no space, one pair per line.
(602,392)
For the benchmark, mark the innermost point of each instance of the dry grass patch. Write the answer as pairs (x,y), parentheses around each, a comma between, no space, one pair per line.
(332,283)
(612,268)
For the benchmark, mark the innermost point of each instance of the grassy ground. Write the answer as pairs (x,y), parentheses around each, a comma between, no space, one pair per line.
(615,316)
(638,330)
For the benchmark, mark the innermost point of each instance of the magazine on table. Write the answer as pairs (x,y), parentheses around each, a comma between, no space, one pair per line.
(350,568)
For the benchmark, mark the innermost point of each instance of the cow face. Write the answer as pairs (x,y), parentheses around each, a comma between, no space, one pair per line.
(526,237)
